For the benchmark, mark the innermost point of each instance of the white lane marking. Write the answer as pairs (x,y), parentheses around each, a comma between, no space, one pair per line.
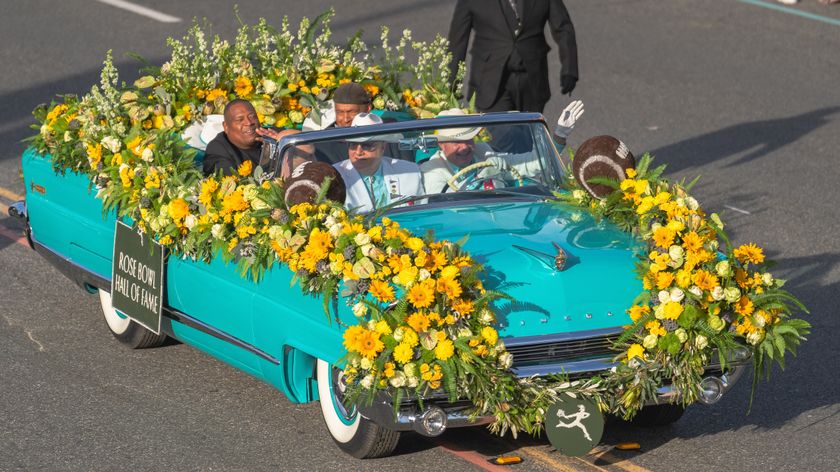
(737,209)
(141,10)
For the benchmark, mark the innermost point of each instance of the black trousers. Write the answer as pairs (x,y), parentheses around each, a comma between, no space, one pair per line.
(515,93)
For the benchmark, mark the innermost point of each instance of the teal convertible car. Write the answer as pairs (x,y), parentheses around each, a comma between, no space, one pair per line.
(570,278)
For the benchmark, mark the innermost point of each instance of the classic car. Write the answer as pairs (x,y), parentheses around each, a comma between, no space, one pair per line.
(563,317)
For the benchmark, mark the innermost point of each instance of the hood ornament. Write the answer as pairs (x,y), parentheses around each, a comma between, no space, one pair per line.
(557,261)
(560,258)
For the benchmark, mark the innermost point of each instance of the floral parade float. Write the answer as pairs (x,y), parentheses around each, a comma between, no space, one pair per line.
(425,321)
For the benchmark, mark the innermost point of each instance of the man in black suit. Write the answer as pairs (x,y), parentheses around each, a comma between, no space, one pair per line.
(509,66)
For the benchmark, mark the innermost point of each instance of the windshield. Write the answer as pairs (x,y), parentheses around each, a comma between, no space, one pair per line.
(450,163)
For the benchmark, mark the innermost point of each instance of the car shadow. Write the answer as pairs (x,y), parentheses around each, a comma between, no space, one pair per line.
(757,139)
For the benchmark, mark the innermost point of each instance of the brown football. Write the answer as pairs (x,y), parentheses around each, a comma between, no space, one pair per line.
(305,182)
(601,156)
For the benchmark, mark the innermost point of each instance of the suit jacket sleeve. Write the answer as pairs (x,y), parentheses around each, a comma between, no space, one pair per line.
(459,36)
(564,34)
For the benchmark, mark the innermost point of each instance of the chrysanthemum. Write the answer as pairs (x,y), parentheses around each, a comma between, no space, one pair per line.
(672,310)
(382,291)
(444,350)
(635,350)
(423,294)
(663,237)
(418,322)
(749,253)
(403,353)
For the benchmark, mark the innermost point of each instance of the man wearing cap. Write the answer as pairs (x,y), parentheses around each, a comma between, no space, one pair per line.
(458,149)
(509,66)
(374,180)
(349,100)
(240,141)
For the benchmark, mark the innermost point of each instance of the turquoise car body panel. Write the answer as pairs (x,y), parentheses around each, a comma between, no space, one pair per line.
(513,238)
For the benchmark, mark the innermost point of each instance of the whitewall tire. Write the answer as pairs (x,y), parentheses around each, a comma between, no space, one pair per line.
(126,331)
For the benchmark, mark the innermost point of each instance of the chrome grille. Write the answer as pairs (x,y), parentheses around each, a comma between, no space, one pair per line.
(563,351)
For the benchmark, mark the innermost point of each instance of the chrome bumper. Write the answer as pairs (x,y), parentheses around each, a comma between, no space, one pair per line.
(18,210)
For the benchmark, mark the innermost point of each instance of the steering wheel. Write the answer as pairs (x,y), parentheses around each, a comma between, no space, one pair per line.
(452,182)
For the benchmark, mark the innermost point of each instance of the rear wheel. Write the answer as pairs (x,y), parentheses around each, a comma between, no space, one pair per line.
(126,331)
(355,435)
(658,415)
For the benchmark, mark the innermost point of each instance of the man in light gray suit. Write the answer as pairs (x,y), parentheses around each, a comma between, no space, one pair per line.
(374,180)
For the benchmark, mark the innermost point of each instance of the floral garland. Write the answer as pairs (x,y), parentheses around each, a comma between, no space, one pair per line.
(425,320)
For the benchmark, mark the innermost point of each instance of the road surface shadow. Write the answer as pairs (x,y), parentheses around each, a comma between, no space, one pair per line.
(757,139)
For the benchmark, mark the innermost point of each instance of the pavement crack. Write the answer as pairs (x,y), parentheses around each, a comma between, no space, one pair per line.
(16,322)
(40,346)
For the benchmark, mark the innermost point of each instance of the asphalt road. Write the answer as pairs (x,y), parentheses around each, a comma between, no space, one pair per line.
(744,94)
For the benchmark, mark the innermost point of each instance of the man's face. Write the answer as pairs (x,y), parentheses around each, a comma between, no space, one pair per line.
(345,112)
(459,153)
(240,125)
(366,156)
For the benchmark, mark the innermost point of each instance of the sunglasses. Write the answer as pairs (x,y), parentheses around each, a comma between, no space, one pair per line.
(366,146)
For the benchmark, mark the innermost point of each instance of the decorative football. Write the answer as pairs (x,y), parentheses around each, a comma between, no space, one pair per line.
(305,182)
(601,156)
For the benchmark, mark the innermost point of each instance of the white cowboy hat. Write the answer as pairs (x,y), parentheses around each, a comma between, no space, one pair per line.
(455,134)
(368,119)
(213,125)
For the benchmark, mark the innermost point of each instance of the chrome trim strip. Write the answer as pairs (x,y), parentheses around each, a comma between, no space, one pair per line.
(83,276)
(560,337)
(575,367)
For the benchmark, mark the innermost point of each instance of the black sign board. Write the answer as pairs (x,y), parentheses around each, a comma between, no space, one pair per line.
(137,282)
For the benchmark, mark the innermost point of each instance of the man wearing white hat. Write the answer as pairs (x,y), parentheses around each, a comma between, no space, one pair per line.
(458,149)
(374,180)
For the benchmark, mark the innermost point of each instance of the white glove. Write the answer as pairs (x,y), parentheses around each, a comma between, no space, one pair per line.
(568,118)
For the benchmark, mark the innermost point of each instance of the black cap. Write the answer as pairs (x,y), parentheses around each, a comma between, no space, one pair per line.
(351,93)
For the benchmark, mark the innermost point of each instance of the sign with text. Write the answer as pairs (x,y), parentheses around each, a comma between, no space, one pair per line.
(137,282)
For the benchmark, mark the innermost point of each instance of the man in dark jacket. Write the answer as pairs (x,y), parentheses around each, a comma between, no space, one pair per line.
(241,140)
(509,66)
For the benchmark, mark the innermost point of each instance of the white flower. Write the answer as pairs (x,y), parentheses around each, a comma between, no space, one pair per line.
(767,278)
(486,316)
(367,382)
(578,195)
(410,370)
(676,252)
(731,294)
(758,321)
(190,221)
(700,342)
(664,296)
(505,360)
(365,363)
(659,312)
(249,192)
(360,309)
(398,380)
(650,341)
(723,268)
(366,248)
(147,155)
(691,203)
(677,294)
(717,293)
(423,274)
(269,86)
(67,137)
(113,144)
(361,239)
(258,204)
(755,337)
(681,334)
(412,382)
(398,334)
(217,231)
(696,291)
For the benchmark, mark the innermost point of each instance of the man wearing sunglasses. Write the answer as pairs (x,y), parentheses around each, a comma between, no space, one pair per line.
(374,180)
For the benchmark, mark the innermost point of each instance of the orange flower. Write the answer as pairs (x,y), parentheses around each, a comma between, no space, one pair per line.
(749,253)
(705,280)
(382,291)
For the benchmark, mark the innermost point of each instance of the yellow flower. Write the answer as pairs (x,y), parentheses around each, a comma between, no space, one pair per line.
(449,272)
(637,311)
(382,291)
(94,155)
(444,350)
(683,278)
(423,294)
(744,306)
(212,95)
(418,322)
(166,240)
(245,231)
(449,287)
(382,327)
(635,350)
(351,338)
(749,253)
(246,168)
(655,328)
(664,280)
(403,353)
(234,201)
(415,244)
(464,307)
(243,87)
(692,242)
(672,310)
(178,209)
(373,90)
(490,335)
(631,173)
(705,280)
(369,344)
(410,337)
(152,180)
(407,275)
(208,187)
(663,237)
(126,174)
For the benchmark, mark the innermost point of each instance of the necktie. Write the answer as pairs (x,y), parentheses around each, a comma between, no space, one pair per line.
(513,6)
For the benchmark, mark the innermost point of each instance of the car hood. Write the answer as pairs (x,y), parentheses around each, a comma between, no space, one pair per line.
(515,241)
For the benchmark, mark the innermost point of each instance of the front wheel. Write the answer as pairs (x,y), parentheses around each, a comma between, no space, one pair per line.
(355,435)
(126,331)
